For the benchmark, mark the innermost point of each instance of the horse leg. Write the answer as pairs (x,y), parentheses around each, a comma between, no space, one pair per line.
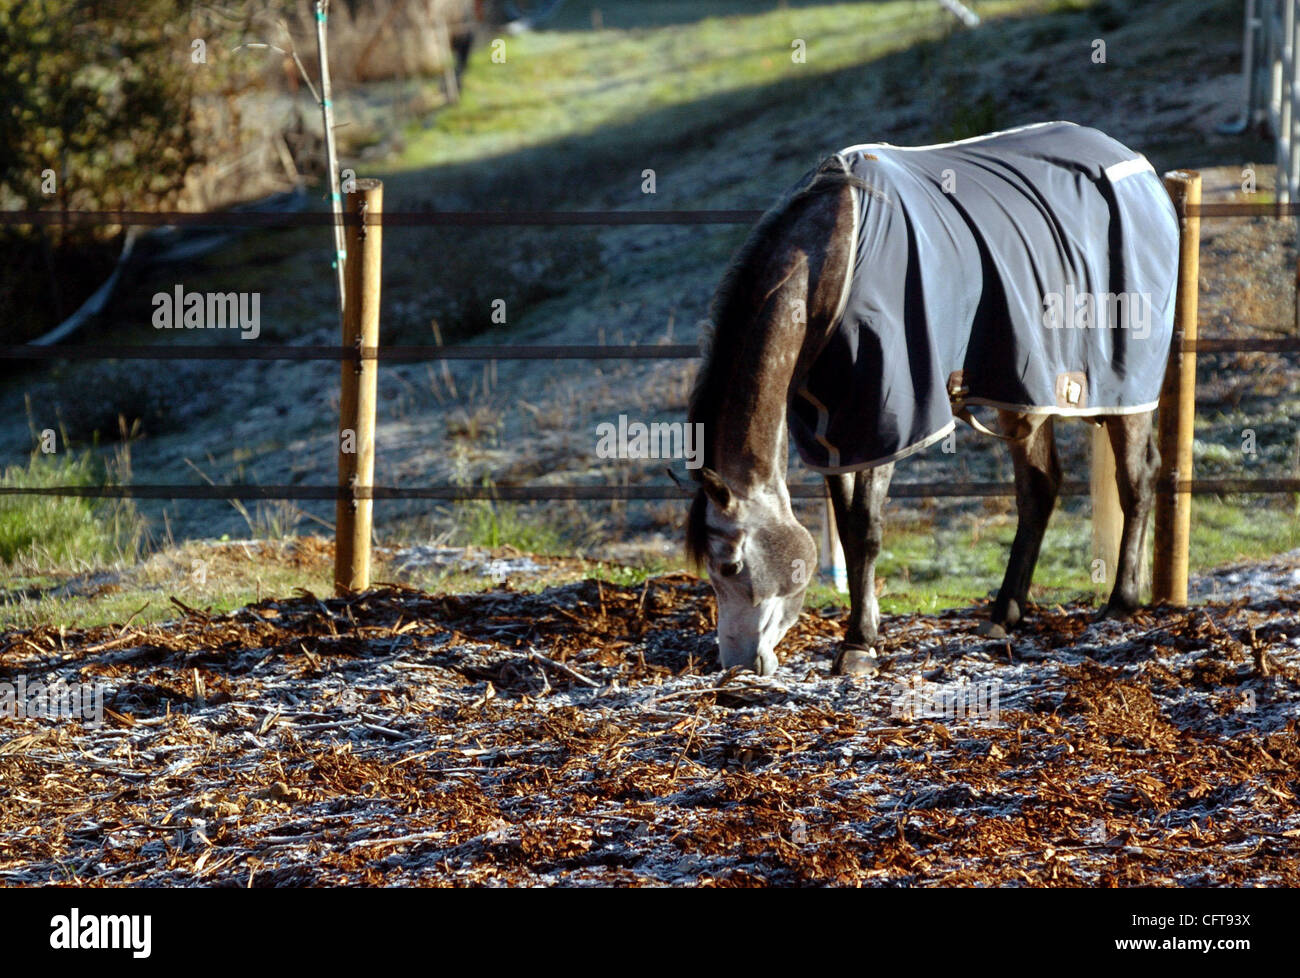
(1137,464)
(859,502)
(1038,479)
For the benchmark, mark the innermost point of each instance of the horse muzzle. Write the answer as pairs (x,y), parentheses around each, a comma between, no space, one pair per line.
(746,656)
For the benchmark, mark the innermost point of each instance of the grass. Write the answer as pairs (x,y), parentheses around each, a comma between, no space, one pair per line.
(924,568)
(555,86)
(39,532)
(214,577)
(491,524)
(1230,530)
(632,575)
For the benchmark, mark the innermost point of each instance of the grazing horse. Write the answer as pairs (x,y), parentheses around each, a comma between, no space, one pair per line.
(1031,271)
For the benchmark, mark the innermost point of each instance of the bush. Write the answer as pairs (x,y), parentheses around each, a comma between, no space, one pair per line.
(98,92)
(96,113)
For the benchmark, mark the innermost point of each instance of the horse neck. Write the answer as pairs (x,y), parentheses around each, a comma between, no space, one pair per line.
(749,433)
(797,291)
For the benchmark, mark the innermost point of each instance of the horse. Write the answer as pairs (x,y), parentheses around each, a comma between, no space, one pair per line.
(886,292)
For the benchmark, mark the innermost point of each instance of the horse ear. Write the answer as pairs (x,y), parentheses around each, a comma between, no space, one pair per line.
(833,164)
(716,489)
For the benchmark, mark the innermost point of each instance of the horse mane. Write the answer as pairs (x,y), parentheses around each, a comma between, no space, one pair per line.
(730,313)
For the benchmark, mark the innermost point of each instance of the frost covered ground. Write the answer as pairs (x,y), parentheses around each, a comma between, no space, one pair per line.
(584,735)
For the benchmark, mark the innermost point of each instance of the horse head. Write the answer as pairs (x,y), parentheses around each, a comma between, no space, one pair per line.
(759,560)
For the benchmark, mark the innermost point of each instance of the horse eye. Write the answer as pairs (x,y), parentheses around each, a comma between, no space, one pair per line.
(730,569)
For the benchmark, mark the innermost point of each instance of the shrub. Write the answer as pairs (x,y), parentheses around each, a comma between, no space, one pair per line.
(96,113)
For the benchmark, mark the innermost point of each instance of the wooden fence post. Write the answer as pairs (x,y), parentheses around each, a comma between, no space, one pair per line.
(357,397)
(1173,517)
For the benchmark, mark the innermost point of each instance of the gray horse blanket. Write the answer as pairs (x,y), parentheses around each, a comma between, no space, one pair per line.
(1032,269)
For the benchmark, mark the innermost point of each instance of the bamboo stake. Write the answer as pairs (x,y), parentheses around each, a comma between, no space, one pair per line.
(1173,517)
(357,397)
(331,156)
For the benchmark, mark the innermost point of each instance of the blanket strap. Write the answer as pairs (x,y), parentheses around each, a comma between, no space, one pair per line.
(957,391)
(963,412)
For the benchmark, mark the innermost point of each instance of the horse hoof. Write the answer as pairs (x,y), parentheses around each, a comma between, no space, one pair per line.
(854,660)
(991,629)
(1114,612)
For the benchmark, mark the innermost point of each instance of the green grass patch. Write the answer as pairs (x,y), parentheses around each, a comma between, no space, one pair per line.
(924,568)
(631,575)
(63,530)
(1229,530)
(927,569)
(144,596)
(558,84)
(491,524)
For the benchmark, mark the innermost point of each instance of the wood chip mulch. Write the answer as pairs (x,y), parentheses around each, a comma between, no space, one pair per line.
(584,735)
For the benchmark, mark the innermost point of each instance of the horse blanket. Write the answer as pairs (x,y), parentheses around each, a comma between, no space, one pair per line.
(1032,269)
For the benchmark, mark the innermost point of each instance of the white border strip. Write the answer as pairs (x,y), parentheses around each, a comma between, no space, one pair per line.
(958,142)
(1128,168)
(852,264)
(1091,412)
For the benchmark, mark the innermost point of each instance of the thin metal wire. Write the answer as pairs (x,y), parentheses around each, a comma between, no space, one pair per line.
(389,219)
(899,490)
(417,353)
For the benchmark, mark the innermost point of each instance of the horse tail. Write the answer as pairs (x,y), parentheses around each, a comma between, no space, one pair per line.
(1107,514)
(831,551)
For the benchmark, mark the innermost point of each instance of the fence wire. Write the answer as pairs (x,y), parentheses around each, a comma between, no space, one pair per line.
(412,354)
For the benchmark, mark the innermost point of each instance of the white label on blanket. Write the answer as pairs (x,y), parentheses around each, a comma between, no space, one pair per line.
(1119,171)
